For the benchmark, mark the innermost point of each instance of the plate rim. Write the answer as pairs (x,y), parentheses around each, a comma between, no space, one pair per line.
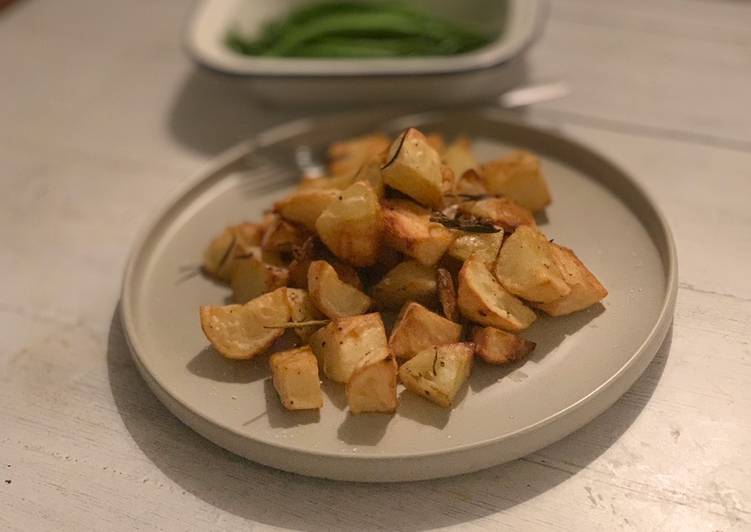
(278,132)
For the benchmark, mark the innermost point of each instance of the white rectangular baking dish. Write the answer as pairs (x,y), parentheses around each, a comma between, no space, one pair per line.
(484,72)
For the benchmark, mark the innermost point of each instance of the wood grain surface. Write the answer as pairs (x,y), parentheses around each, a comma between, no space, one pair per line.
(102,115)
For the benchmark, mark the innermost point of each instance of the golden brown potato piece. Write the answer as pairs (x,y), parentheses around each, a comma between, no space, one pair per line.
(317,342)
(388,259)
(502,212)
(408,229)
(219,255)
(331,295)
(301,308)
(347,156)
(243,251)
(295,377)
(438,373)
(448,180)
(408,281)
(241,331)
(471,183)
(526,268)
(252,277)
(484,246)
(372,386)
(417,328)
(459,156)
(370,172)
(413,167)
(483,300)
(298,273)
(352,227)
(345,342)
(436,141)
(447,295)
(586,290)
(499,347)
(305,206)
(312,250)
(302,256)
(518,177)
(347,273)
(318,183)
(281,236)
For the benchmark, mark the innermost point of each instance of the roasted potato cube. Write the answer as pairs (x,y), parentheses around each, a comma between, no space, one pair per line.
(241,331)
(417,328)
(447,295)
(413,167)
(438,373)
(436,141)
(351,227)
(281,236)
(347,156)
(295,377)
(448,180)
(252,277)
(407,281)
(459,156)
(347,273)
(388,259)
(301,308)
(372,386)
(298,273)
(408,229)
(331,295)
(483,299)
(370,172)
(484,246)
(302,256)
(305,206)
(345,342)
(518,177)
(219,255)
(243,251)
(471,183)
(317,342)
(502,212)
(263,225)
(319,183)
(586,290)
(312,250)
(526,268)
(495,346)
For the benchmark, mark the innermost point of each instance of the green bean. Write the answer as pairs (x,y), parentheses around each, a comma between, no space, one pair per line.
(353,29)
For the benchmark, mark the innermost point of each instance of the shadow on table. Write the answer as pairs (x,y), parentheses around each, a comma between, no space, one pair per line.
(261,494)
(211,113)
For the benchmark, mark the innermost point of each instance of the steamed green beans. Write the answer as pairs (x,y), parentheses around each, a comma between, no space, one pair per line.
(354,29)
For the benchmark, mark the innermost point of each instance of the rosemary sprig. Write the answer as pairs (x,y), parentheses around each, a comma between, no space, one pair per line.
(470,224)
(393,157)
(228,252)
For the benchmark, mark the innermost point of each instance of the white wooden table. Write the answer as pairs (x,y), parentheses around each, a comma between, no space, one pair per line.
(101,116)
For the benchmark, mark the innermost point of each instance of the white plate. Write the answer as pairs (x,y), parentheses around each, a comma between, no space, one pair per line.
(582,364)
